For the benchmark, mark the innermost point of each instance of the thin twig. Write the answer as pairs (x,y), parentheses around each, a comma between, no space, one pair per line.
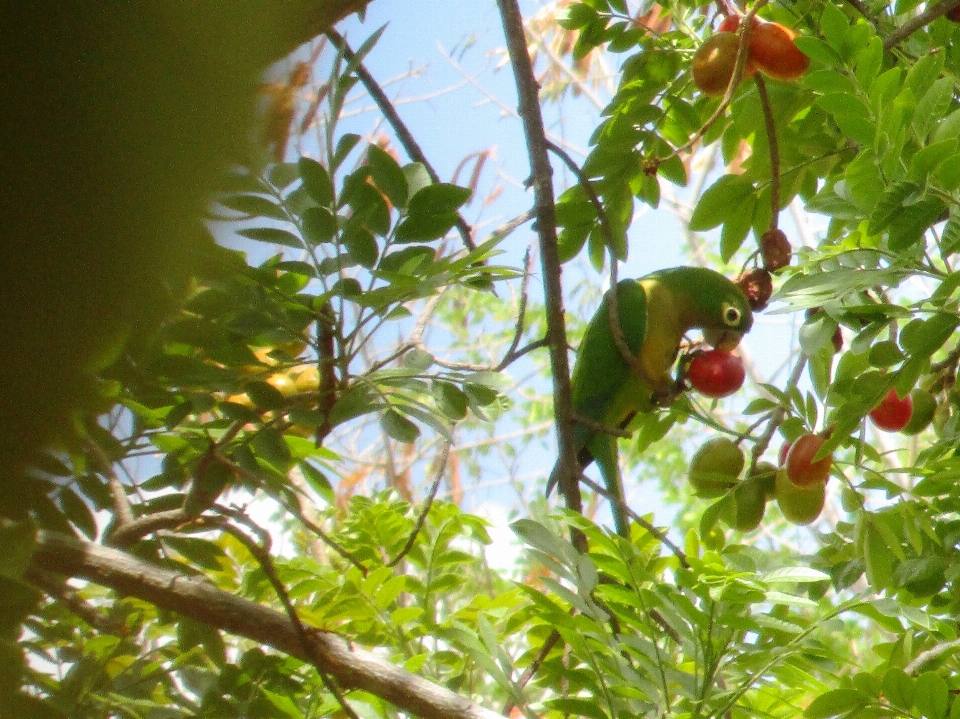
(425,510)
(298,512)
(746,27)
(532,668)
(522,309)
(929,655)
(777,416)
(774,147)
(658,533)
(57,588)
(861,7)
(917,22)
(123,511)
(261,553)
(541,179)
(404,135)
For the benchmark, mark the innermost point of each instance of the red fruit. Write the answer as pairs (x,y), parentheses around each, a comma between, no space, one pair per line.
(774,52)
(952,15)
(731,23)
(716,373)
(775,249)
(801,469)
(783,452)
(757,285)
(893,413)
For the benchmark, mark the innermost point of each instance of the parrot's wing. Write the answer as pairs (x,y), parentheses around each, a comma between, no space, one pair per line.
(604,389)
(601,376)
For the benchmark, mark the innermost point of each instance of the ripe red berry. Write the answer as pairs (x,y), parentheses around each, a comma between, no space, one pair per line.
(801,469)
(716,373)
(893,413)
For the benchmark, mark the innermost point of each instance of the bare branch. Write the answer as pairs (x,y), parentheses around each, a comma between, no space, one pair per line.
(441,466)
(917,22)
(541,179)
(774,147)
(197,598)
(410,144)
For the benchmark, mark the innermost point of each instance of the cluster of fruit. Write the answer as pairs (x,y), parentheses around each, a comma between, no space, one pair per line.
(288,380)
(771,50)
(798,485)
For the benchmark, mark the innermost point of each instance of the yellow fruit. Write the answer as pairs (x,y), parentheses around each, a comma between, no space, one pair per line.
(263,354)
(243,399)
(283,383)
(306,377)
(293,349)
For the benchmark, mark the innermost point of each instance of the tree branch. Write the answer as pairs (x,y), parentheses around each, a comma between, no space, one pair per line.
(917,22)
(541,179)
(406,137)
(197,598)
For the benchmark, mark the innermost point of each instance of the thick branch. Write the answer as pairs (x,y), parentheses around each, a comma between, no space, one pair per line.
(196,598)
(542,181)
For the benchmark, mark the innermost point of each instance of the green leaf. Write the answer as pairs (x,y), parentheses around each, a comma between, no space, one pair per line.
(932,106)
(360,244)
(399,427)
(869,62)
(834,703)
(817,49)
(253,206)
(271,446)
(795,575)
(417,178)
(17,540)
(438,199)
(319,225)
(721,201)
(898,688)
(834,27)
(736,227)
(388,176)
(316,181)
(926,337)
(272,235)
(910,224)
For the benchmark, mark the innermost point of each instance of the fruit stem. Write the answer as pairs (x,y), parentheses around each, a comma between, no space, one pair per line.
(771,127)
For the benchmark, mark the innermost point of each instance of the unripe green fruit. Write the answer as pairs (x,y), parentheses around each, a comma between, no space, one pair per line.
(747,506)
(924,407)
(766,474)
(715,467)
(800,505)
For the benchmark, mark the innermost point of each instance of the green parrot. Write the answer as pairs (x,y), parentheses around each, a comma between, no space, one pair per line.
(655,313)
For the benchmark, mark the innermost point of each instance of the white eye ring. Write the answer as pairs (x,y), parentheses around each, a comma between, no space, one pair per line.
(731,316)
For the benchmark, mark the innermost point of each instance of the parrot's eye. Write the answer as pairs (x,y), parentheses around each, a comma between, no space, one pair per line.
(731,315)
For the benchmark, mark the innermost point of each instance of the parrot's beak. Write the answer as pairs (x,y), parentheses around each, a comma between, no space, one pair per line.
(724,340)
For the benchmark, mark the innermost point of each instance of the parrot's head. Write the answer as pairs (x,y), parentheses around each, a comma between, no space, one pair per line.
(709,301)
